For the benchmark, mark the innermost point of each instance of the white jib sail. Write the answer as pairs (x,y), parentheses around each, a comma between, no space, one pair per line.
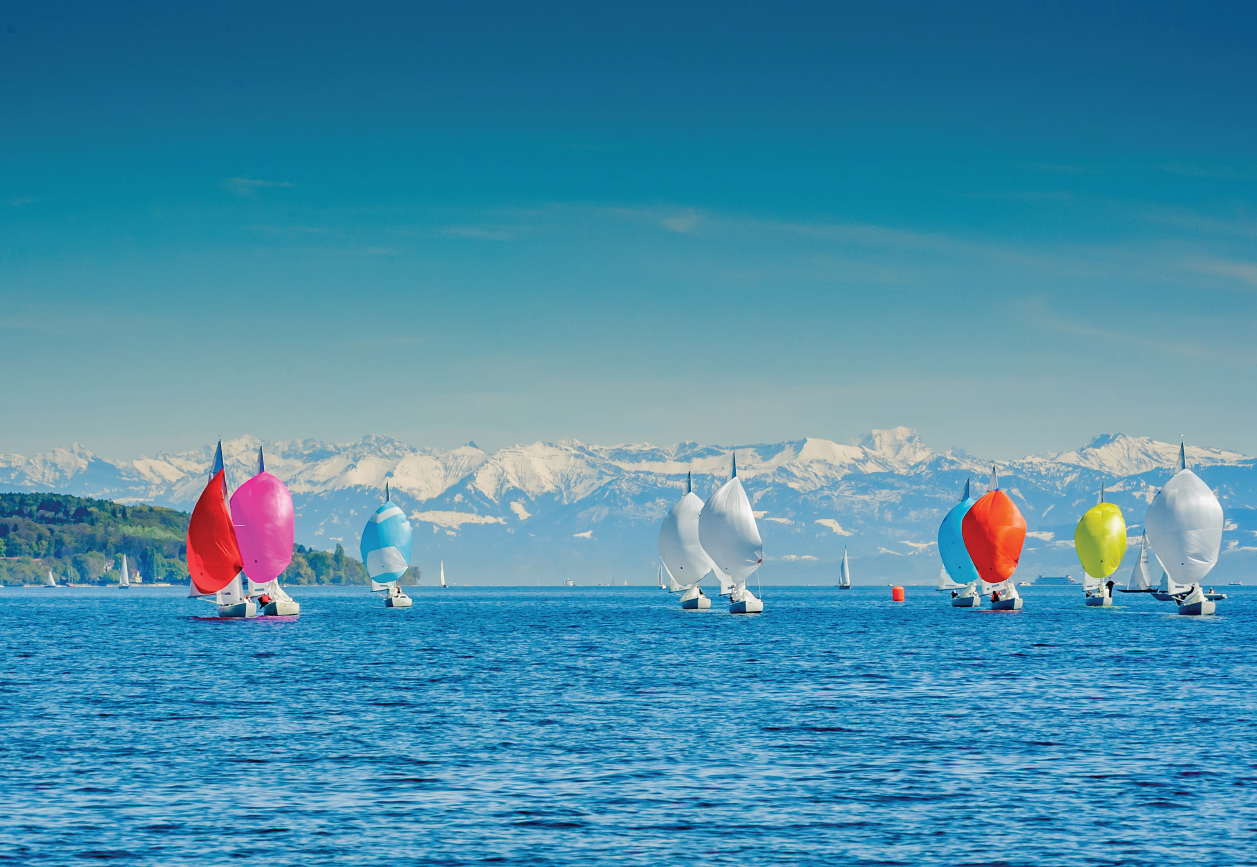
(232,594)
(125,580)
(52,582)
(1141,575)
(844,571)
(1184,527)
(727,532)
(679,548)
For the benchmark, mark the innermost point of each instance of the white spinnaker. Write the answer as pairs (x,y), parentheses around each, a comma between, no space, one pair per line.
(844,571)
(1141,575)
(679,547)
(727,532)
(1184,527)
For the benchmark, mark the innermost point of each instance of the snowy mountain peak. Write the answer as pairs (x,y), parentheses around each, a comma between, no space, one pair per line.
(1122,455)
(901,446)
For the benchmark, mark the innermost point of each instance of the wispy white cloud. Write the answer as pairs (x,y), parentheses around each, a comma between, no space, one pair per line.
(494,234)
(1245,271)
(682,221)
(246,188)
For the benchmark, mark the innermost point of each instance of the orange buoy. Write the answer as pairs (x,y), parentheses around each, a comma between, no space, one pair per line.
(896,593)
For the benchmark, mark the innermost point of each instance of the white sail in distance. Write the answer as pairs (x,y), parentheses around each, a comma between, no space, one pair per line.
(1184,526)
(125,580)
(844,571)
(728,533)
(679,548)
(1141,575)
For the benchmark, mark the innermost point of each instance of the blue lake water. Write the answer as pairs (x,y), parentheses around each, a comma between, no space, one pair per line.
(605,726)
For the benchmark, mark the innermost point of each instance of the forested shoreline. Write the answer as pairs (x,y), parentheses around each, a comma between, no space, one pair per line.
(81,541)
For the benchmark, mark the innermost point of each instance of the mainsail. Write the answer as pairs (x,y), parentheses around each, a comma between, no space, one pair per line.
(262,512)
(844,571)
(1141,575)
(727,532)
(386,544)
(682,553)
(951,542)
(994,533)
(1184,525)
(1100,539)
(213,553)
(124,580)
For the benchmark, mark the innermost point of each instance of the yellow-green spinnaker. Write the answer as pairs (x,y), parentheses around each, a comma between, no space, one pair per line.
(1101,540)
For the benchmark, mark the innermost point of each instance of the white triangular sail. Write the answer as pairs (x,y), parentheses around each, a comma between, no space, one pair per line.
(679,546)
(125,580)
(52,582)
(443,584)
(1141,575)
(844,571)
(1184,526)
(232,594)
(728,533)
(945,582)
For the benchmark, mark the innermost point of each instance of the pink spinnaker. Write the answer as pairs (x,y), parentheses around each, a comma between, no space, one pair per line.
(261,510)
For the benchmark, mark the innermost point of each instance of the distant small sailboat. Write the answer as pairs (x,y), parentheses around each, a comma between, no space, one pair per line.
(730,537)
(385,551)
(1141,576)
(844,572)
(443,584)
(263,515)
(124,579)
(944,582)
(214,563)
(994,533)
(52,582)
(662,586)
(1100,542)
(1184,525)
(682,553)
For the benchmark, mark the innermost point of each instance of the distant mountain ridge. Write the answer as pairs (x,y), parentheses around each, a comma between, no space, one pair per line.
(525,512)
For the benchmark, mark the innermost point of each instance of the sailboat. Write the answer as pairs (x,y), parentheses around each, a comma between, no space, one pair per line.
(214,563)
(728,533)
(1100,541)
(994,533)
(262,512)
(124,579)
(386,552)
(682,554)
(1184,526)
(944,581)
(844,572)
(52,582)
(662,586)
(964,580)
(443,584)
(1141,576)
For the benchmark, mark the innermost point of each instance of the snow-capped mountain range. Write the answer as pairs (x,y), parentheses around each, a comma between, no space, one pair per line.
(539,512)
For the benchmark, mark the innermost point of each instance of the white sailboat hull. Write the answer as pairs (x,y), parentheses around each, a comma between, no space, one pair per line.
(698,603)
(397,602)
(1101,601)
(966,602)
(281,608)
(1013,604)
(248,608)
(1198,608)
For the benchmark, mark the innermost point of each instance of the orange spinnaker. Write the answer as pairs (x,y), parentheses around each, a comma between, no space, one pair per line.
(994,532)
(213,554)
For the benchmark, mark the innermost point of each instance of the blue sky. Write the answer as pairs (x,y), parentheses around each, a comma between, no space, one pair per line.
(1009,227)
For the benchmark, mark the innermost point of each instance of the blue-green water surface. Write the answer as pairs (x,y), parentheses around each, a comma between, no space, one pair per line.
(583,726)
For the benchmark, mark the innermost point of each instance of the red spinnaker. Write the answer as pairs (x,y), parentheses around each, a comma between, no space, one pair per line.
(213,554)
(994,532)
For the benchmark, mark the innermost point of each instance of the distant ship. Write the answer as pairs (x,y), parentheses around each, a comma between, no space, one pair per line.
(569,583)
(1054,580)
